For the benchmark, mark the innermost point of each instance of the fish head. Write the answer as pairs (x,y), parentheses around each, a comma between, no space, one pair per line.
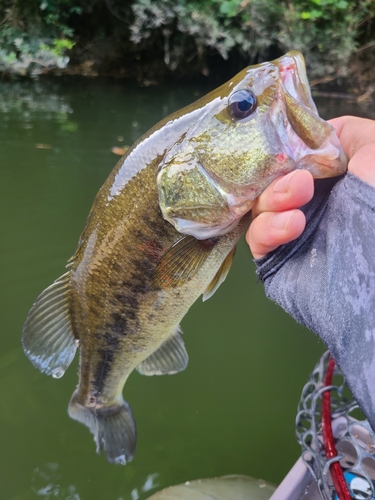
(261,124)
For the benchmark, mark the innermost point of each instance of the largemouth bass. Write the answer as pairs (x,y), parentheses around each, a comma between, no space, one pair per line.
(162,231)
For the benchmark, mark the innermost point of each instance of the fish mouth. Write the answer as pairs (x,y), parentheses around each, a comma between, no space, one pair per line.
(292,70)
(316,146)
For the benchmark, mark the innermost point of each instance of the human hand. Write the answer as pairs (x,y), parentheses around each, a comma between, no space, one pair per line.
(276,218)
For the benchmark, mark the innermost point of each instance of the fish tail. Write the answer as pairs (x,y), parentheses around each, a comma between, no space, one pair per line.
(113,428)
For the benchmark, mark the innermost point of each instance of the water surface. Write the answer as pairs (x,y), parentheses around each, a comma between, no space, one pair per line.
(231,411)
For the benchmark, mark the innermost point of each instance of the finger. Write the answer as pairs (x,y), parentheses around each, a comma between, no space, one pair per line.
(270,230)
(357,136)
(285,193)
(354,132)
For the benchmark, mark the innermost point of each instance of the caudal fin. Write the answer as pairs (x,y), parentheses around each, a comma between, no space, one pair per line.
(113,428)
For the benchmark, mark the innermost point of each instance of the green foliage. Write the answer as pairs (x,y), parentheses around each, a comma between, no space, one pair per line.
(35,34)
(196,29)
(326,31)
(324,9)
(57,12)
(228,8)
(59,46)
(38,34)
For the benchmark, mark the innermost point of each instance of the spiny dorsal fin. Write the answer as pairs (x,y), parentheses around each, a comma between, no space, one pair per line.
(47,336)
(181,262)
(171,357)
(220,276)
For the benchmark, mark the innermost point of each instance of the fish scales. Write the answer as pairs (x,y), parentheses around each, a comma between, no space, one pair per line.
(131,310)
(163,230)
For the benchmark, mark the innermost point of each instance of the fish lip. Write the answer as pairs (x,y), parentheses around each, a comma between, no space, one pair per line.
(320,166)
(293,78)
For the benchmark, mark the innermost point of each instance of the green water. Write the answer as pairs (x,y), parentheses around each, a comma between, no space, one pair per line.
(231,411)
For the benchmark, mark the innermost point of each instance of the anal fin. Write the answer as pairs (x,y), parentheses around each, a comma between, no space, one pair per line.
(220,276)
(171,357)
(47,335)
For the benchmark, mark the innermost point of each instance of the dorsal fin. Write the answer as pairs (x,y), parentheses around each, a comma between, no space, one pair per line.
(220,276)
(47,336)
(171,357)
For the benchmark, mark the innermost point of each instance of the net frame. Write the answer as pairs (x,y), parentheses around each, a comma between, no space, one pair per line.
(354,439)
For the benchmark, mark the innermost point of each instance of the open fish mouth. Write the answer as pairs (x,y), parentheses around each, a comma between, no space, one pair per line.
(292,70)
(318,148)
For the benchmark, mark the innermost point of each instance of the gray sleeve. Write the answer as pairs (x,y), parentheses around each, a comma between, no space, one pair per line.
(326,279)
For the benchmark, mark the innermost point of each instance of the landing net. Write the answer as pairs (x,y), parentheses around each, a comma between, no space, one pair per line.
(348,453)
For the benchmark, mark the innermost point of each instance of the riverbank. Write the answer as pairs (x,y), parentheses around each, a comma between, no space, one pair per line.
(153,41)
(358,81)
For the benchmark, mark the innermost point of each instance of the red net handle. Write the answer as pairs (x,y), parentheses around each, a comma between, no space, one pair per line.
(338,479)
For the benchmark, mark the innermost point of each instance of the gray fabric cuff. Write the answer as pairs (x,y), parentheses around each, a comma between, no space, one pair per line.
(326,279)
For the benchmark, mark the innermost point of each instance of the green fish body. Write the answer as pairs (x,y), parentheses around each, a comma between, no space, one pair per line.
(162,231)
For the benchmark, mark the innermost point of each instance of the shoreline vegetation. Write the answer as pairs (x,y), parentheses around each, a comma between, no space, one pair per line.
(157,40)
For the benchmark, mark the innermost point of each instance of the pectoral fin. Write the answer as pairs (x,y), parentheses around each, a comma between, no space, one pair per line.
(220,276)
(47,336)
(171,357)
(181,262)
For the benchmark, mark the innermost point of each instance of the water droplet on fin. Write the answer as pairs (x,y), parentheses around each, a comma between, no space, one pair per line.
(120,460)
(58,373)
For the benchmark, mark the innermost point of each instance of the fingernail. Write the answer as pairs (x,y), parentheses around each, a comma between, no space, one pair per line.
(282,184)
(281,220)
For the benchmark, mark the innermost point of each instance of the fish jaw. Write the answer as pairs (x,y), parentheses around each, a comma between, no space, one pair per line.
(316,147)
(293,75)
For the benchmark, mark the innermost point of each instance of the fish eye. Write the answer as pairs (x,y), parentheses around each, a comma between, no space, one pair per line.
(242,103)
